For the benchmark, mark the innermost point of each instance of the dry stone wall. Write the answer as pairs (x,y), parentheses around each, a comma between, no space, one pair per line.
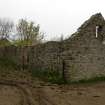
(41,57)
(82,56)
(85,56)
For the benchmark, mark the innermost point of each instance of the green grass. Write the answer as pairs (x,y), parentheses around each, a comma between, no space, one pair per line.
(22,42)
(91,80)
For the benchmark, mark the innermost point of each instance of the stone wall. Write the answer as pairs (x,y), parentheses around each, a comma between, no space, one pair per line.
(82,56)
(45,56)
(85,54)
(42,57)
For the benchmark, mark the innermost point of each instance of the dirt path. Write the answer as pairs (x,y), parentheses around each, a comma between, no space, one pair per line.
(23,93)
(23,89)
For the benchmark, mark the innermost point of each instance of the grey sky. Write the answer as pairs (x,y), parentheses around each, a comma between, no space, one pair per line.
(54,16)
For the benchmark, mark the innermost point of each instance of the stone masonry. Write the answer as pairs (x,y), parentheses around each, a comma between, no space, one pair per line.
(82,56)
(84,53)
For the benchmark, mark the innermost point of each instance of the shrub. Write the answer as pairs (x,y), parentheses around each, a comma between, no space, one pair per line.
(7,63)
(48,75)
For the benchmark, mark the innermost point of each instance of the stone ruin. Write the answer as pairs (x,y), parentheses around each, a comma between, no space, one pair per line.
(82,56)
(85,57)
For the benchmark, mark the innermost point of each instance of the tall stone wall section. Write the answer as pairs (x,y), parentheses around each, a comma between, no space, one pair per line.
(84,53)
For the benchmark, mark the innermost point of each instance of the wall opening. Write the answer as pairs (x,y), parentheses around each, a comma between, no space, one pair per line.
(99,34)
(97,31)
(100,28)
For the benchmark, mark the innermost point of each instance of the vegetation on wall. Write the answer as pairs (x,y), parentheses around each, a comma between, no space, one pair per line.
(48,75)
(5,42)
(8,63)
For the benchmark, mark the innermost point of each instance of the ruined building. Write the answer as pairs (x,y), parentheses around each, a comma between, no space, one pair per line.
(82,56)
(84,53)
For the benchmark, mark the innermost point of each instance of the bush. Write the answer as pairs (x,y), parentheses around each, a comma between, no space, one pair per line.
(48,75)
(7,63)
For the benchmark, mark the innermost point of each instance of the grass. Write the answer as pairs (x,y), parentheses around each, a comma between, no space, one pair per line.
(4,42)
(91,80)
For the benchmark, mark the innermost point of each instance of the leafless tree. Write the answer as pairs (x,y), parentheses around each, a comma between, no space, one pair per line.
(6,27)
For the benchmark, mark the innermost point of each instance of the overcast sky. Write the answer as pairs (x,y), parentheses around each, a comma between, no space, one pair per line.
(55,17)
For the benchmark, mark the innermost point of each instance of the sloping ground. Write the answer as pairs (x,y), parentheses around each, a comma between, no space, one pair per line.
(20,89)
(90,94)
(15,93)
(9,95)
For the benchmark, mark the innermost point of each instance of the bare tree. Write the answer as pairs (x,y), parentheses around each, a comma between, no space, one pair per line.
(29,32)
(6,27)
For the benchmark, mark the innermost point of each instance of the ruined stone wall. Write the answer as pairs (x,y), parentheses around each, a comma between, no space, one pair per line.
(42,57)
(85,54)
(82,56)
(45,56)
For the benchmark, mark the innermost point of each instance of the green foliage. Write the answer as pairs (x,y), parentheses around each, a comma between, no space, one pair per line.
(91,80)
(22,43)
(4,42)
(48,75)
(6,63)
(28,32)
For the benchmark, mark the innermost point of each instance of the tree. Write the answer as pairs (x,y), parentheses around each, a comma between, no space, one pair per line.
(28,32)
(6,27)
